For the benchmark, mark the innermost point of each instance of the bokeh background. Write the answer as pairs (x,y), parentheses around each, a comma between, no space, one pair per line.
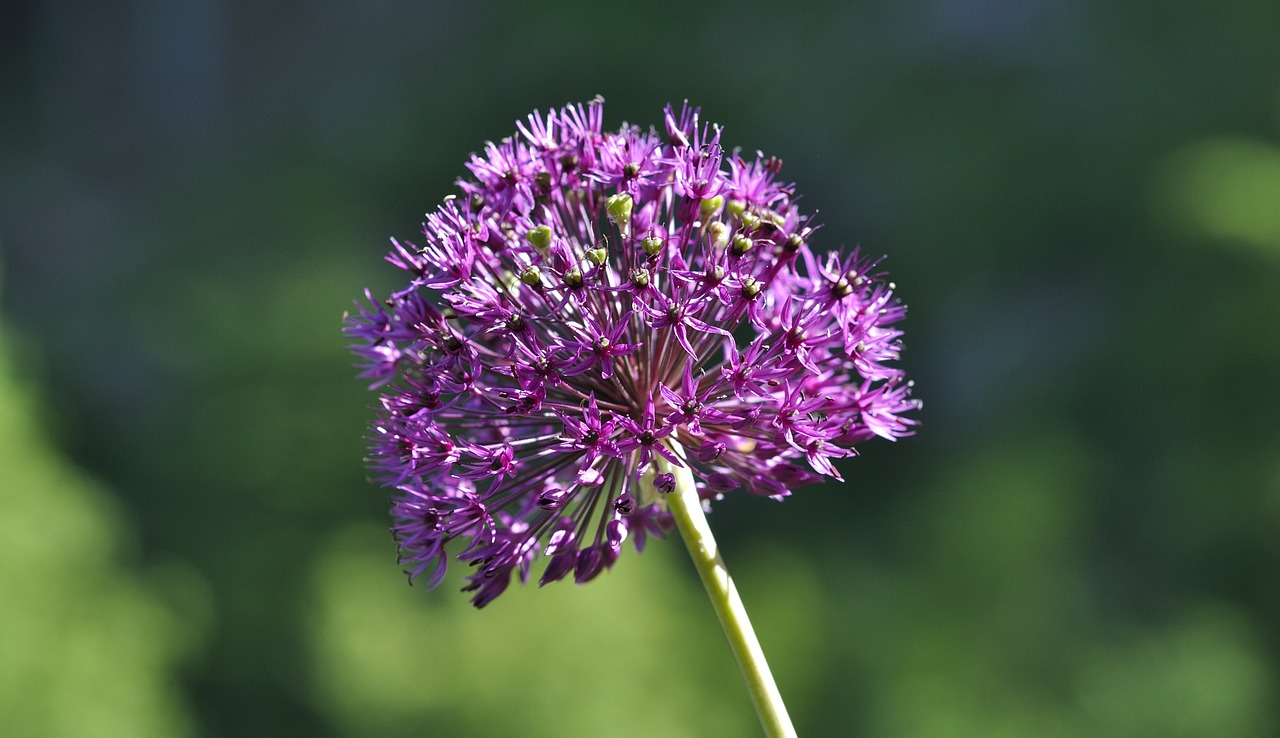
(1080,202)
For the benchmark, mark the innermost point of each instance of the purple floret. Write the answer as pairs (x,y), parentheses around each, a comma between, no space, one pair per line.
(594,309)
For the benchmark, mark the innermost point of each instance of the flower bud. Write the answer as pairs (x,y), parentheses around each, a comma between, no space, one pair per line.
(625,504)
(619,209)
(719,234)
(710,206)
(615,532)
(552,499)
(540,239)
(665,483)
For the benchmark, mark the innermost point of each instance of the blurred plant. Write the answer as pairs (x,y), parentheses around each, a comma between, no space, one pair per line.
(1226,188)
(596,287)
(88,648)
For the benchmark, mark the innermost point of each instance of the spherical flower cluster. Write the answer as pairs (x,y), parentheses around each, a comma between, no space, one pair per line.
(595,310)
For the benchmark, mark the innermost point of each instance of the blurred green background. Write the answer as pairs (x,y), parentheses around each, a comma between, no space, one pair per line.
(1081,206)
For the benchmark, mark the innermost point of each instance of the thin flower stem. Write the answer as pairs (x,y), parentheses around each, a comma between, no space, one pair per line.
(686,508)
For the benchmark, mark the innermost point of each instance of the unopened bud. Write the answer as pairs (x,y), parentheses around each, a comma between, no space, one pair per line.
(719,234)
(665,483)
(710,206)
(619,209)
(540,239)
(552,499)
(625,504)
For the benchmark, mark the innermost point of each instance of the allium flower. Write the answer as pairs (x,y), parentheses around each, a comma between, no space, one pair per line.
(594,310)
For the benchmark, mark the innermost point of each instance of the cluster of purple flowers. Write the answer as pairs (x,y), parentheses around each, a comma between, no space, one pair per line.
(594,310)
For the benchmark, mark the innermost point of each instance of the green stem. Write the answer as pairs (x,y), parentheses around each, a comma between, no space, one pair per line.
(692,522)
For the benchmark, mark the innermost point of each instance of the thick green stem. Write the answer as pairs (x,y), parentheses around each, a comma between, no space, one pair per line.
(687,510)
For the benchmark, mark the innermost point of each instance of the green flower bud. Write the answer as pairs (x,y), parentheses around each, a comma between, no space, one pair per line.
(737,208)
(710,206)
(532,276)
(719,234)
(573,278)
(750,288)
(619,209)
(750,221)
(651,246)
(540,239)
(640,278)
(598,255)
(741,245)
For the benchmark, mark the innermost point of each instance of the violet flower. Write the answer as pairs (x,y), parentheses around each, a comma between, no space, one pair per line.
(596,313)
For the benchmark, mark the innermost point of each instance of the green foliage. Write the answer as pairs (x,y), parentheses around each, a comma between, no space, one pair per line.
(1225,188)
(89,648)
(521,669)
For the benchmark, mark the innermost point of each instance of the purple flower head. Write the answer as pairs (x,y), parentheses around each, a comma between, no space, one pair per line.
(595,310)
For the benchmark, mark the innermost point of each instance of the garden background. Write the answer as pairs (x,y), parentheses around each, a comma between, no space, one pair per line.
(1080,203)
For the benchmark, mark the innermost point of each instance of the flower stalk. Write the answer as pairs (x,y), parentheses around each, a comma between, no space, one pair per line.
(686,508)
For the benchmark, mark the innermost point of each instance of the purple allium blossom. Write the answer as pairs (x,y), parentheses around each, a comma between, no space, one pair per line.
(595,308)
